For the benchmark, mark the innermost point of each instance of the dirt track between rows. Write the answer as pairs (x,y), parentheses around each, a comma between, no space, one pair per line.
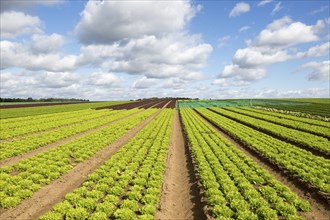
(180,196)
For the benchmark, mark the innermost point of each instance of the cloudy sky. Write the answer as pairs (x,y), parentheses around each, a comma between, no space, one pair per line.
(118,50)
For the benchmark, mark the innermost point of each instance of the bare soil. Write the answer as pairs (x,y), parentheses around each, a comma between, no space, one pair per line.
(44,199)
(129,105)
(159,103)
(320,208)
(172,104)
(180,195)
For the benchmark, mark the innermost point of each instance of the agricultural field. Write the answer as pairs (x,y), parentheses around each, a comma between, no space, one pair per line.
(166,159)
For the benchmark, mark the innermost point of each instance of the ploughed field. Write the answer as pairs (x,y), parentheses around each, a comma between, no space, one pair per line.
(165,159)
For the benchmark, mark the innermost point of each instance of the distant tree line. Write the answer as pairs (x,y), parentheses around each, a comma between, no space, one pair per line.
(42,100)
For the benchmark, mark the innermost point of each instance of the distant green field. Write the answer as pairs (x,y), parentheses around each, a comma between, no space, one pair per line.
(29,111)
(24,103)
(309,100)
(316,106)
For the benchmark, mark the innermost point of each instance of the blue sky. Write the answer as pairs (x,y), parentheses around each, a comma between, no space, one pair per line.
(119,50)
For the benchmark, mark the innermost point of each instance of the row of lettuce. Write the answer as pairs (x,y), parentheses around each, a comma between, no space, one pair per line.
(294,136)
(44,110)
(128,185)
(309,168)
(234,186)
(84,122)
(21,180)
(316,127)
(14,128)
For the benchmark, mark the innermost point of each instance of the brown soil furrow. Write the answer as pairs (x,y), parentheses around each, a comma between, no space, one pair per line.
(16,159)
(180,195)
(320,209)
(44,199)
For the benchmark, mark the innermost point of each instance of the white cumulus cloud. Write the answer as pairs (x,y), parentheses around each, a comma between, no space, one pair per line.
(46,43)
(103,22)
(316,51)
(182,55)
(285,32)
(21,55)
(103,79)
(274,45)
(320,70)
(15,23)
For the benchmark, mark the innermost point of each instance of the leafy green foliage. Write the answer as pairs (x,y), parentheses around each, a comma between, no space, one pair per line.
(49,165)
(235,186)
(308,167)
(115,189)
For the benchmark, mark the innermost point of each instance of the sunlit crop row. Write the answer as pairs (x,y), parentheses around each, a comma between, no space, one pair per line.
(128,185)
(287,134)
(14,129)
(25,144)
(308,167)
(19,181)
(291,123)
(234,185)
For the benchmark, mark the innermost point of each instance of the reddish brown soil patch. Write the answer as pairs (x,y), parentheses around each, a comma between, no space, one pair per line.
(44,199)
(159,103)
(172,104)
(41,104)
(320,207)
(180,195)
(129,105)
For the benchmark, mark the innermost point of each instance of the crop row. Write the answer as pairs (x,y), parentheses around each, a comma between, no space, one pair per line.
(19,181)
(25,144)
(313,109)
(37,125)
(21,113)
(313,129)
(280,114)
(298,137)
(303,164)
(234,185)
(128,185)
(27,119)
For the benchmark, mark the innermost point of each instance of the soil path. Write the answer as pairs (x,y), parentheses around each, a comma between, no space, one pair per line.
(320,210)
(16,159)
(180,195)
(44,199)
